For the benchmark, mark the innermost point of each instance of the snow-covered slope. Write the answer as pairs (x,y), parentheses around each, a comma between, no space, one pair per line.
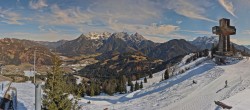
(179,92)
(239,101)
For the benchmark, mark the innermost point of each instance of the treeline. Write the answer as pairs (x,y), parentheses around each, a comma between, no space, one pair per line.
(111,86)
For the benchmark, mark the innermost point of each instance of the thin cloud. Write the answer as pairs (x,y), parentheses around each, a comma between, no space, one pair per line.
(70,17)
(48,36)
(10,17)
(144,29)
(187,9)
(198,32)
(37,4)
(228,6)
(137,11)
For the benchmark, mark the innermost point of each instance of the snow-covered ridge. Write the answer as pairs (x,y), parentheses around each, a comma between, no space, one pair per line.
(207,40)
(98,35)
(136,38)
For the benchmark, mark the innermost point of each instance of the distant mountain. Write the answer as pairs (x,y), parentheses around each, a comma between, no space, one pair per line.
(92,43)
(117,42)
(120,64)
(98,35)
(122,42)
(242,48)
(207,43)
(16,51)
(52,45)
(81,45)
(247,46)
(84,44)
(171,49)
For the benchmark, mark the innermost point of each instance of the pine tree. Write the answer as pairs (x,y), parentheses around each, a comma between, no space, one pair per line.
(97,89)
(132,87)
(138,76)
(129,81)
(137,86)
(56,98)
(92,89)
(121,86)
(166,75)
(110,87)
(145,80)
(81,90)
(141,85)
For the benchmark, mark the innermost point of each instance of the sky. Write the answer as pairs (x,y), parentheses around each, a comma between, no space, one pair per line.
(156,20)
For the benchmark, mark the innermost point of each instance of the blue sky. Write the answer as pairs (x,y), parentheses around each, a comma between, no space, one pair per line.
(157,20)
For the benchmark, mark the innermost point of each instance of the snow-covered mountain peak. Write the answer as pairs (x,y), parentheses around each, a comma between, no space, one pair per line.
(98,35)
(206,39)
(136,38)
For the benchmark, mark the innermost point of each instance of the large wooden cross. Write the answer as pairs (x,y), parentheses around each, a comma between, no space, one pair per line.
(224,31)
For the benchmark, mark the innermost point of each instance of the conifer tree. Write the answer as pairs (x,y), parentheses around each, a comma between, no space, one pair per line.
(137,86)
(132,87)
(110,87)
(56,98)
(138,76)
(97,89)
(141,85)
(145,80)
(129,81)
(92,89)
(166,74)
(81,90)
(121,87)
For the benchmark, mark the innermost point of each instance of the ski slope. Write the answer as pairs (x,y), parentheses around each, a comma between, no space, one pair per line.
(238,77)
(176,93)
(179,93)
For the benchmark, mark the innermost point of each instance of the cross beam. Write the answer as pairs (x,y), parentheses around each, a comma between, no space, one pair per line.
(224,31)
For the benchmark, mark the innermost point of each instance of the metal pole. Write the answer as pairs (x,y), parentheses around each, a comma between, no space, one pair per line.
(35,67)
(38,96)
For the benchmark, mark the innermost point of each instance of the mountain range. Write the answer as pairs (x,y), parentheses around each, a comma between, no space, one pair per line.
(208,42)
(16,51)
(123,42)
(104,45)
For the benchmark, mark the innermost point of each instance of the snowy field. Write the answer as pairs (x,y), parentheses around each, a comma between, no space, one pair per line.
(179,92)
